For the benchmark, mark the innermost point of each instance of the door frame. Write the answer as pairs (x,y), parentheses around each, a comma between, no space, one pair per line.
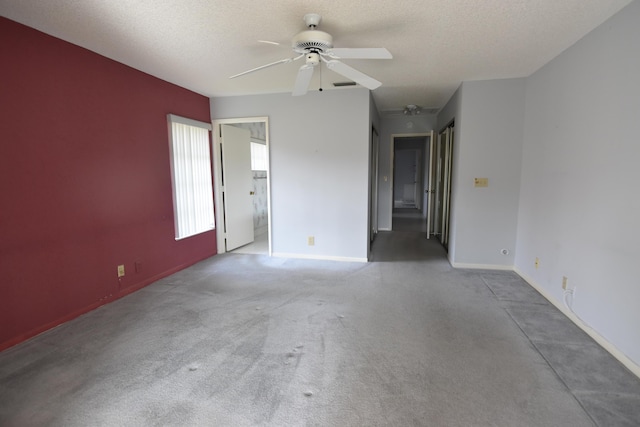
(217,167)
(424,135)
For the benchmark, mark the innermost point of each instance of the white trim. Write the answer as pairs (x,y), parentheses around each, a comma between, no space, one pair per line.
(189,122)
(384,229)
(481,266)
(622,358)
(319,257)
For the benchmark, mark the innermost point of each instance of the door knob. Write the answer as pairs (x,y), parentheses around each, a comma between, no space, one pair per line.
(251,193)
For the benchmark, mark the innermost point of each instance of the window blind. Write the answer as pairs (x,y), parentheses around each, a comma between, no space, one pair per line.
(191,176)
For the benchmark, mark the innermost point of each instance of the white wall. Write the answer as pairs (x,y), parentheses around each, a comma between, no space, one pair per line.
(489,117)
(319,153)
(450,111)
(423,123)
(579,209)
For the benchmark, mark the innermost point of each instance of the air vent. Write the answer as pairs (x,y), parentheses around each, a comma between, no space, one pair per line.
(343,84)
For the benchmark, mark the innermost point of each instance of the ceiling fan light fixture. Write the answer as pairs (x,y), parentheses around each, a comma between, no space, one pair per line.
(412,110)
(317,46)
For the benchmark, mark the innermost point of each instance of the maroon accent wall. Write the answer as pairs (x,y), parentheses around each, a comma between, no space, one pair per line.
(85,181)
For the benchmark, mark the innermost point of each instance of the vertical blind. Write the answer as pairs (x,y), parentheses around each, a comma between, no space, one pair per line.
(191,176)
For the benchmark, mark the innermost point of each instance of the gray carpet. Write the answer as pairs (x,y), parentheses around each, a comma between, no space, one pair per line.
(244,340)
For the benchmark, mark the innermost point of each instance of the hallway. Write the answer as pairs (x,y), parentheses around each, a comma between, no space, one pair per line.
(408,219)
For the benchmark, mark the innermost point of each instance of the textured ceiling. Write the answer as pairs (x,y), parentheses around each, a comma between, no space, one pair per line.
(436,44)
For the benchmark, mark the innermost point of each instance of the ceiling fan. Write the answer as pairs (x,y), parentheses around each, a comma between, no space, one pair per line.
(317,46)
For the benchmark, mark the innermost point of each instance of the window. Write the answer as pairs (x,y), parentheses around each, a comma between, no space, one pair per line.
(258,156)
(191,176)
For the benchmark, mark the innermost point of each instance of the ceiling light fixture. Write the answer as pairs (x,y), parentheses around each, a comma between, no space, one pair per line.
(412,110)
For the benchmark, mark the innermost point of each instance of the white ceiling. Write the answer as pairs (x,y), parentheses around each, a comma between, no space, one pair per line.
(436,44)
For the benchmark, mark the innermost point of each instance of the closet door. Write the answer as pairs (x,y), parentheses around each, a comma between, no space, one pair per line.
(431,186)
(444,164)
(373,185)
(446,196)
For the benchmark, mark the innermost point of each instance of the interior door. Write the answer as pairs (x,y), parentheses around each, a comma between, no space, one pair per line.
(444,164)
(439,185)
(431,183)
(447,194)
(373,186)
(237,186)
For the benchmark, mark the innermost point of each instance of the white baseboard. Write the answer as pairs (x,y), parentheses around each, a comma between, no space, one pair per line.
(481,266)
(319,257)
(622,358)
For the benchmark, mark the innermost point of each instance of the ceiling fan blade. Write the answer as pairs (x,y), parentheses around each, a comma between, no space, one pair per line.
(302,80)
(353,74)
(269,42)
(360,53)
(282,61)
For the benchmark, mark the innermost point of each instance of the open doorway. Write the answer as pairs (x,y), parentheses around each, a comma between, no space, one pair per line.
(410,172)
(242,190)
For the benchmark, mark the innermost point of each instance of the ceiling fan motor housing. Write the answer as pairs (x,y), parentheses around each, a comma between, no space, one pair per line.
(312,41)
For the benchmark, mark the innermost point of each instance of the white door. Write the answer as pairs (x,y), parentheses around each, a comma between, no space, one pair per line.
(431,185)
(447,191)
(444,159)
(237,184)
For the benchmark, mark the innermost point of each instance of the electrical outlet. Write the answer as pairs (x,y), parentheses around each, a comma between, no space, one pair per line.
(311,240)
(537,263)
(121,270)
(565,282)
